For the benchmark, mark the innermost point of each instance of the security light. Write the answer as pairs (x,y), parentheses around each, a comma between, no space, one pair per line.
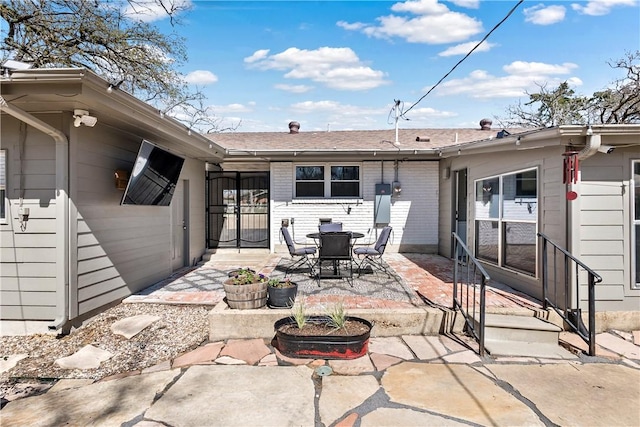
(607,149)
(82,117)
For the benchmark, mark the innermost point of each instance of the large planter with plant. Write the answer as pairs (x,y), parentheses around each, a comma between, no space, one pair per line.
(246,290)
(281,293)
(332,336)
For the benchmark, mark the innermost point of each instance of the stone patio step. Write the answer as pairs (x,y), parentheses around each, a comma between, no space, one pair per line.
(226,323)
(528,349)
(520,328)
(518,335)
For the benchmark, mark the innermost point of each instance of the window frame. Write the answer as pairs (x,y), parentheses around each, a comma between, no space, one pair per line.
(499,222)
(327,181)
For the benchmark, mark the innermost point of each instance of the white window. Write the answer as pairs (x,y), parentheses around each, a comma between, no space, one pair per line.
(327,181)
(636,219)
(506,220)
(3,186)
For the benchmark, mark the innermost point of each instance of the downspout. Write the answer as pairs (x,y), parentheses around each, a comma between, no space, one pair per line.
(593,143)
(573,215)
(62,208)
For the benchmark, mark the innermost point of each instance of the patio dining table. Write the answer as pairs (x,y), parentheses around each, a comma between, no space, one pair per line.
(354,236)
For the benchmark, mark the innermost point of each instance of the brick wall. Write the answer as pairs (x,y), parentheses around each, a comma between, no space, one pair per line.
(414,213)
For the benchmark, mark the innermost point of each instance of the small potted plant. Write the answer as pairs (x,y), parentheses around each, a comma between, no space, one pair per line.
(281,293)
(246,289)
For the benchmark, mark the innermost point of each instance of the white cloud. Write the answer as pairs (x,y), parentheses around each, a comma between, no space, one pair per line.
(320,115)
(337,68)
(541,15)
(155,10)
(257,56)
(352,27)
(427,114)
(233,108)
(201,77)
(538,68)
(464,48)
(420,7)
(294,88)
(521,77)
(601,7)
(434,24)
(470,4)
(327,115)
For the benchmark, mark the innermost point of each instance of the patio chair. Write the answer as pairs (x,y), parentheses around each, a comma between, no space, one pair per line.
(330,227)
(335,247)
(302,253)
(373,255)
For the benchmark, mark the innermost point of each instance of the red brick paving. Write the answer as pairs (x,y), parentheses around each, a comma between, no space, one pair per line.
(430,276)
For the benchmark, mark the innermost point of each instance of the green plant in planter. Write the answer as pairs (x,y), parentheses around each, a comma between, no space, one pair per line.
(299,313)
(337,315)
(246,276)
(280,283)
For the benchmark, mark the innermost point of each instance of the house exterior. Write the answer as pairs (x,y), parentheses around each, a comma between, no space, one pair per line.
(337,175)
(79,249)
(69,248)
(505,190)
(495,188)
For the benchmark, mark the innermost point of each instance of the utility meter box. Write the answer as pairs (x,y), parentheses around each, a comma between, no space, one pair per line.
(382,208)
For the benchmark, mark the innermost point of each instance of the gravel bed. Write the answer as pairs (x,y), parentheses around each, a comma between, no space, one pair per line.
(180,328)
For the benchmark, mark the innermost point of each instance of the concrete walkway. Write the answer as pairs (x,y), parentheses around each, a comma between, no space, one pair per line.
(402,381)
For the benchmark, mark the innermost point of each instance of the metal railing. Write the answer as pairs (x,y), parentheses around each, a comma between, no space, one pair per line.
(469,288)
(571,313)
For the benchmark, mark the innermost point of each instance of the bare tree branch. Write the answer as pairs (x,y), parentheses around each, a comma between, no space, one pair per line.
(114,43)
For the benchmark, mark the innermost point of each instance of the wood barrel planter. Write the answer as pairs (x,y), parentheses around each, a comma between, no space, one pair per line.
(247,296)
(328,345)
(282,297)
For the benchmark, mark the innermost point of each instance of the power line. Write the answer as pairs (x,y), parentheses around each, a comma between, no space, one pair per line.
(465,57)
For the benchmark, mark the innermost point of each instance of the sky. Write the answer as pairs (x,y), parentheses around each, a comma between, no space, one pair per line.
(343,65)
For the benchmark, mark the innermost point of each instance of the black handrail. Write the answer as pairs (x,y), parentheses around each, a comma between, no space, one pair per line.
(473,270)
(571,315)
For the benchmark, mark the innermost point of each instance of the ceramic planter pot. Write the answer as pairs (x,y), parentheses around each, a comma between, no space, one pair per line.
(282,297)
(321,346)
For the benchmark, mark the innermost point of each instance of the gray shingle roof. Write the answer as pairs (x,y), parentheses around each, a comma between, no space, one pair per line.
(383,140)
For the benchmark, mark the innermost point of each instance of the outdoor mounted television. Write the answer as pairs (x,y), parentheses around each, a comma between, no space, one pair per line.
(154,177)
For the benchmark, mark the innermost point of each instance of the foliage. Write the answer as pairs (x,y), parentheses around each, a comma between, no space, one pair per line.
(559,106)
(280,283)
(621,103)
(337,315)
(246,276)
(112,41)
(299,313)
(562,106)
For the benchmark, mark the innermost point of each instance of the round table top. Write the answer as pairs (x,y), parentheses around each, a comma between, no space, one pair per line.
(354,235)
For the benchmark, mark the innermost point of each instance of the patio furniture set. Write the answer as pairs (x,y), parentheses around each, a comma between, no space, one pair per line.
(335,252)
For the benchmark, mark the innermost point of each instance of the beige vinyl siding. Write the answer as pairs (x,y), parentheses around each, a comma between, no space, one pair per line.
(123,249)
(551,206)
(27,258)
(603,229)
(120,249)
